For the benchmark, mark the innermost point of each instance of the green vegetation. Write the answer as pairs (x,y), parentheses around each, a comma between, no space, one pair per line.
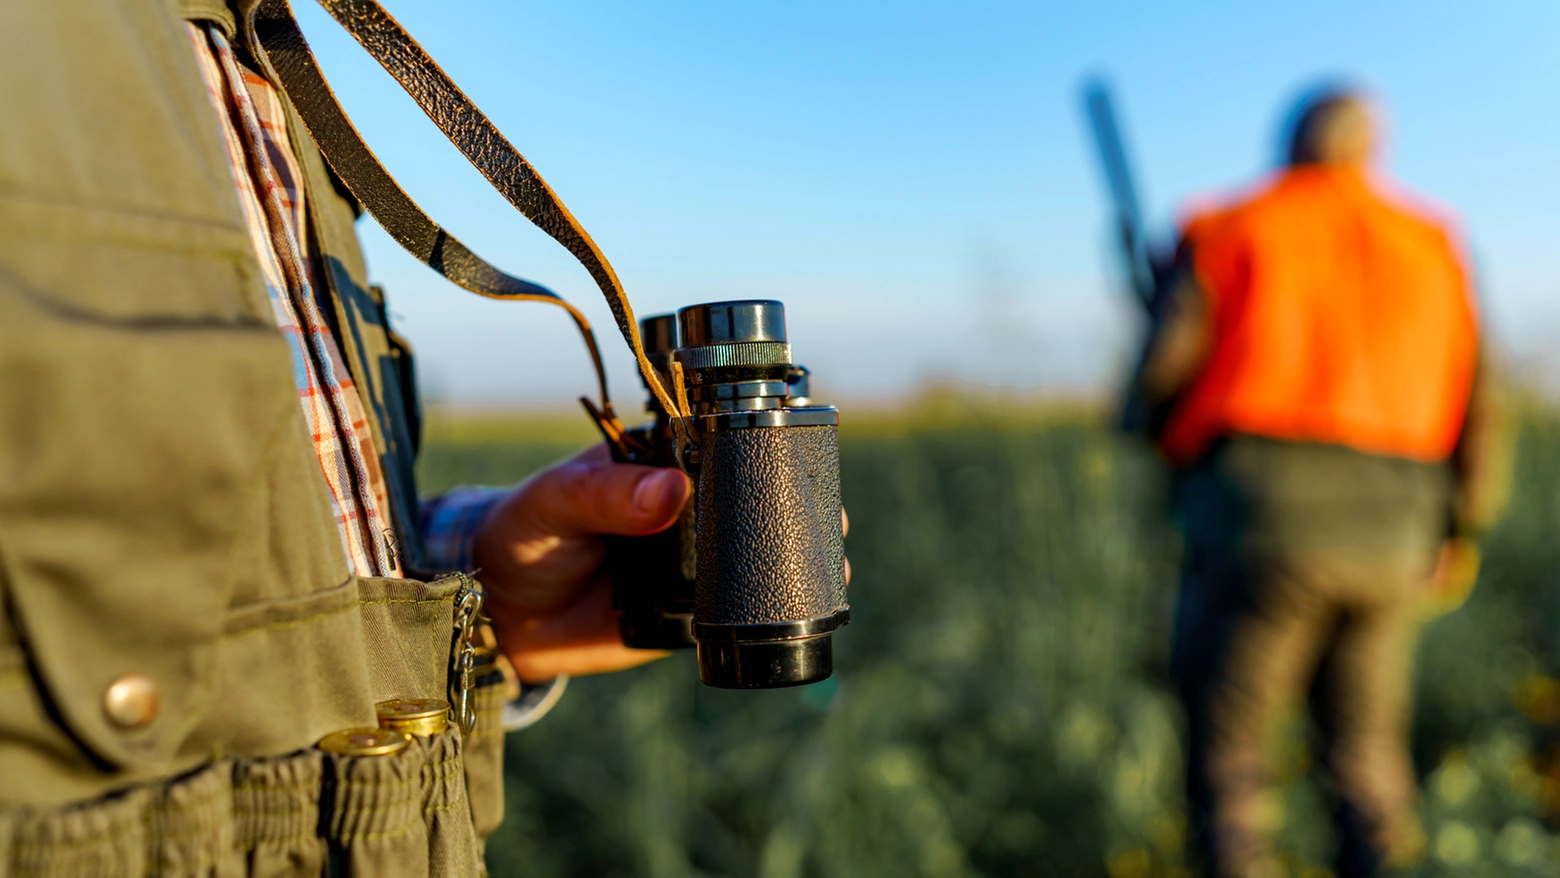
(1000,705)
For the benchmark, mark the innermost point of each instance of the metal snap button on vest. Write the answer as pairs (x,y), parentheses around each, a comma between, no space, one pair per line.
(415,716)
(365,742)
(132,701)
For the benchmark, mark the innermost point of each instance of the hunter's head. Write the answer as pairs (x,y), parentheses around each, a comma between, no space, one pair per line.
(1332,126)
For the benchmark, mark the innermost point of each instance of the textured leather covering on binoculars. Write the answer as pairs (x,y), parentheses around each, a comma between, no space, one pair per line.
(770,546)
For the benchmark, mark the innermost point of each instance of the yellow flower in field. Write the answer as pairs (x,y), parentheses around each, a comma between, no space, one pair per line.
(895,767)
(1523,842)
(1455,781)
(1538,697)
(1456,844)
(1135,863)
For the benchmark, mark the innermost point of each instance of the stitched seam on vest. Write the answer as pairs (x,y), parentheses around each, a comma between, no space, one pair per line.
(376,836)
(292,623)
(269,788)
(403,782)
(307,835)
(436,809)
(485,730)
(442,767)
(42,217)
(193,827)
(309,620)
(258,613)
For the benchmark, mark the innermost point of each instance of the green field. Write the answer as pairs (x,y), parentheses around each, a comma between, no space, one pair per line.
(1000,705)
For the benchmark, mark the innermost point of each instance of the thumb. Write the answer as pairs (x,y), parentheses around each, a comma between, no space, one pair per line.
(591,494)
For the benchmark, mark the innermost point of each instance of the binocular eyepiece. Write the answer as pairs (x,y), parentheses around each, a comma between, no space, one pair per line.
(753,576)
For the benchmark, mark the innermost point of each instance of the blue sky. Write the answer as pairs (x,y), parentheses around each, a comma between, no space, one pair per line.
(913,179)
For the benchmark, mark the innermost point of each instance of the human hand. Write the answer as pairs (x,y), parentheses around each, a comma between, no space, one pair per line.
(540,554)
(1456,570)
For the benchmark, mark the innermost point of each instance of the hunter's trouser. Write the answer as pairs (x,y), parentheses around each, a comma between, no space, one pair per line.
(1253,643)
(1301,581)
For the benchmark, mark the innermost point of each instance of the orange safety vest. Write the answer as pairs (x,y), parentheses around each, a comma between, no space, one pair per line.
(1336,316)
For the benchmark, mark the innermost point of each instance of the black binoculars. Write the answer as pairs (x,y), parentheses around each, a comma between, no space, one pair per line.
(753,575)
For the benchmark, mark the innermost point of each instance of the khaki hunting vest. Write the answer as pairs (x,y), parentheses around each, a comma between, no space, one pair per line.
(163,520)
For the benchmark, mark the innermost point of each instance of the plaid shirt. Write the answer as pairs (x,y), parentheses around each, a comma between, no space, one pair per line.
(266,173)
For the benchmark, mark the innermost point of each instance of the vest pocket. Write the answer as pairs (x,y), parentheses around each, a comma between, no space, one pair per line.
(408,627)
(125,456)
(292,671)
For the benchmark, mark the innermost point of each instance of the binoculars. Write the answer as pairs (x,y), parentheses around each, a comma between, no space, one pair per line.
(753,574)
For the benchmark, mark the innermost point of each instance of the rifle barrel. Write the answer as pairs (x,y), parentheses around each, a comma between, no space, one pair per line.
(1123,195)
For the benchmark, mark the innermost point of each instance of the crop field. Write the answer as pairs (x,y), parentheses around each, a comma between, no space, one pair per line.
(1000,705)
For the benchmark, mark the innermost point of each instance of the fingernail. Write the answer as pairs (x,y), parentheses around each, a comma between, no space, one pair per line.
(650,493)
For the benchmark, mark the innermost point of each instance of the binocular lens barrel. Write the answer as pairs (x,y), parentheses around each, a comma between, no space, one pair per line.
(731,323)
(659,335)
(770,586)
(753,575)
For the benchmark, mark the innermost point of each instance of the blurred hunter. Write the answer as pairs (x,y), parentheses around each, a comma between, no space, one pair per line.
(1316,377)
(232,638)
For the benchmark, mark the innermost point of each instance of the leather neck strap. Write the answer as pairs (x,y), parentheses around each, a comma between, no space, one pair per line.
(276,42)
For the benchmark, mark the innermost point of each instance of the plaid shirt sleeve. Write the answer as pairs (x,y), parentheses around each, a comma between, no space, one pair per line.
(449,524)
